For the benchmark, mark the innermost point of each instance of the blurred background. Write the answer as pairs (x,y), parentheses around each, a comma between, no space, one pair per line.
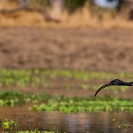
(55,54)
(64,34)
(93,13)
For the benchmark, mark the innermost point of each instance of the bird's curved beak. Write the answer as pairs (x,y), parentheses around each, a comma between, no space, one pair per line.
(102,87)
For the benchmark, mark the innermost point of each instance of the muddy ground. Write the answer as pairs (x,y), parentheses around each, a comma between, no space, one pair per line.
(81,48)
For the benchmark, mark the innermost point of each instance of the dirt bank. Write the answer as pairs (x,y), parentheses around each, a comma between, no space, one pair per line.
(60,48)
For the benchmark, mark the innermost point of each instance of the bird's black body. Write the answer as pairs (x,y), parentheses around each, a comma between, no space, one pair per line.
(115,82)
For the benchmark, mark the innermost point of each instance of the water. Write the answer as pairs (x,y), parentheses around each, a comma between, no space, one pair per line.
(73,123)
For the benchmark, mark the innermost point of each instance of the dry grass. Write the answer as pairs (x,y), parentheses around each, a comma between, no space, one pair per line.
(81,18)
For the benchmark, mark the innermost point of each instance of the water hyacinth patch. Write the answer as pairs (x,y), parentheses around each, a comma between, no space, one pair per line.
(74,105)
(47,102)
(13,126)
(35,77)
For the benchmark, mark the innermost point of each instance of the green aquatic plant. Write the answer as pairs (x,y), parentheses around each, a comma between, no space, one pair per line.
(47,102)
(12,98)
(21,77)
(13,126)
(124,125)
(10,125)
(74,105)
(44,78)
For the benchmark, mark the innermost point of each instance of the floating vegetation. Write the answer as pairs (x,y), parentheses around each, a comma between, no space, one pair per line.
(74,105)
(12,98)
(45,102)
(14,127)
(63,79)
(35,77)
(9,124)
(124,125)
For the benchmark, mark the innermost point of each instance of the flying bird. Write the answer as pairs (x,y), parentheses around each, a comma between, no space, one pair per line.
(114,82)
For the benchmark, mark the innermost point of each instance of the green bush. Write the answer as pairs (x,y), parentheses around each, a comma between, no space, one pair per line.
(72,5)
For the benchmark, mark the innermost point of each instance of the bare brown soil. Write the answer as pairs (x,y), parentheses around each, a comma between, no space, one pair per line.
(60,48)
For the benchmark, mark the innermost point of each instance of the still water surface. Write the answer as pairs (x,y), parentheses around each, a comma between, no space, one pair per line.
(73,123)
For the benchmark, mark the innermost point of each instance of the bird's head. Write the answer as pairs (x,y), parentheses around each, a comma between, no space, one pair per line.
(115,82)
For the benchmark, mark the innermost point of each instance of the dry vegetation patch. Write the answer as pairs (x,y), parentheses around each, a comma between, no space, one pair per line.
(83,17)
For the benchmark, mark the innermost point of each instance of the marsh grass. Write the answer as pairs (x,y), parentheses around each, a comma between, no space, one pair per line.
(80,80)
(91,104)
(46,102)
(63,79)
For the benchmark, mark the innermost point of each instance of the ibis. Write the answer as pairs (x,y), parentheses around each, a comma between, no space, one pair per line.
(114,82)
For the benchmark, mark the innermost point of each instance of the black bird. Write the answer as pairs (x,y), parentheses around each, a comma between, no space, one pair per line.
(115,82)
